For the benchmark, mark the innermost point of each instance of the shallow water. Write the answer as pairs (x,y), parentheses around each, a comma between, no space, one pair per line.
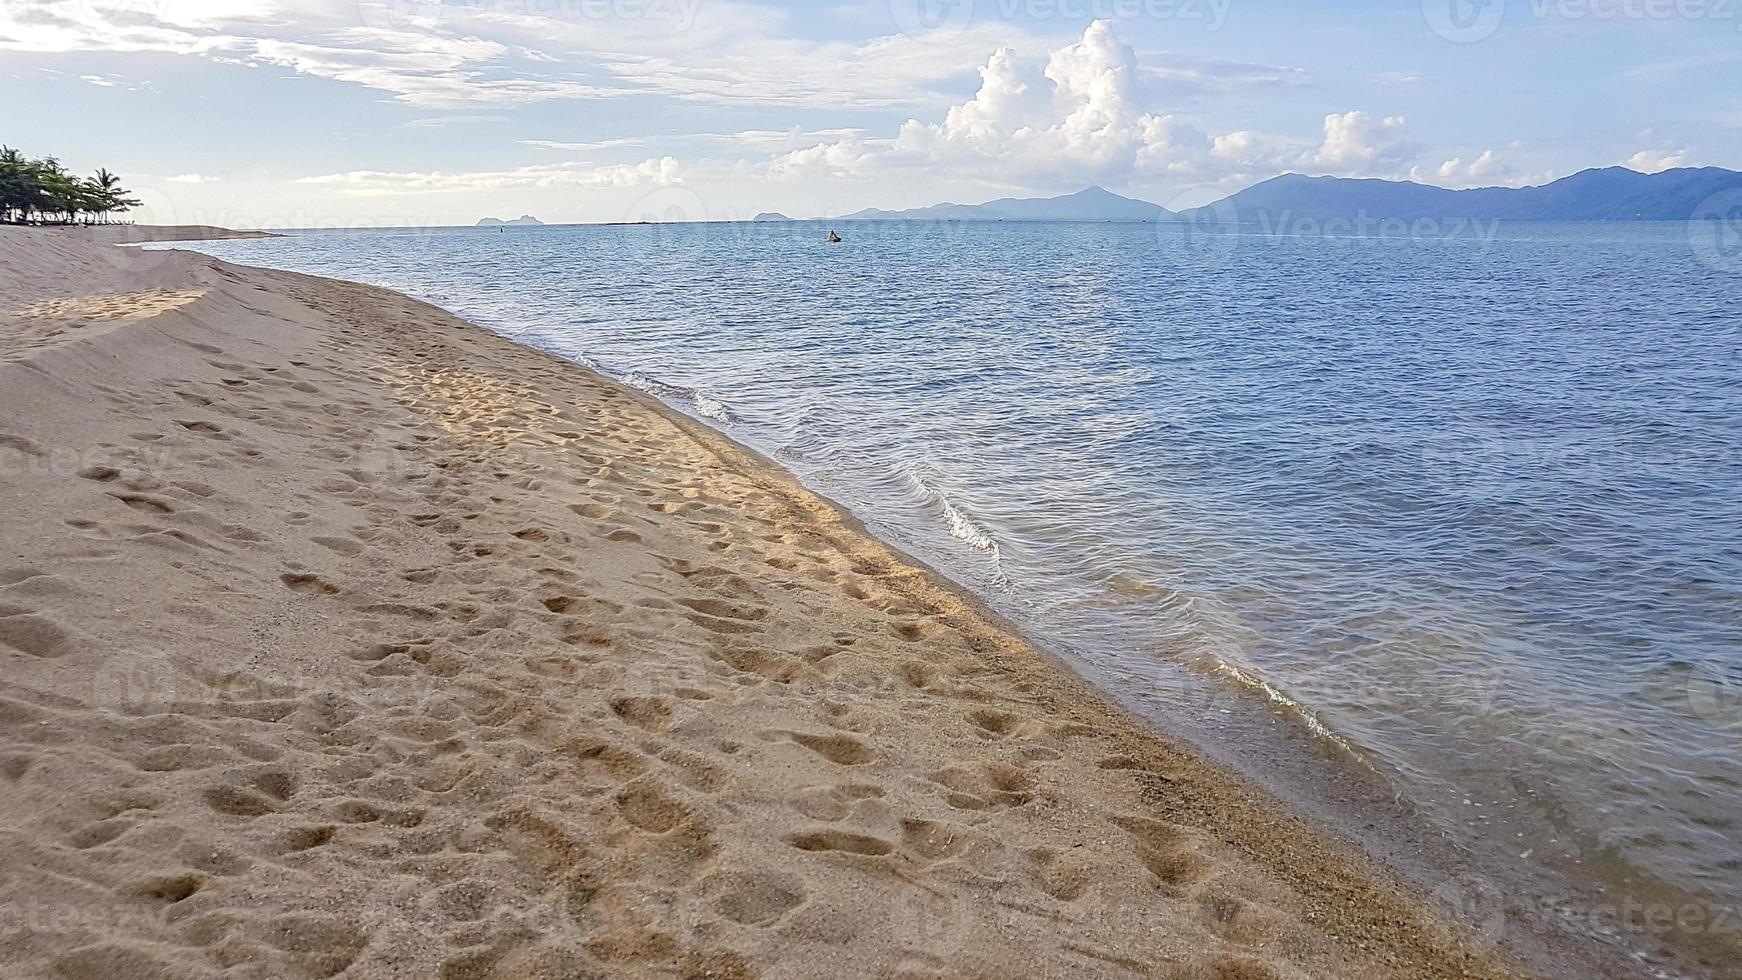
(1466,505)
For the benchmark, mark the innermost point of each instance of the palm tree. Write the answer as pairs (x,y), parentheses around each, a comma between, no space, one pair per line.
(108,194)
(60,190)
(14,184)
(41,191)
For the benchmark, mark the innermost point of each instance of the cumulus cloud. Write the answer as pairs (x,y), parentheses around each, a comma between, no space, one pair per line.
(844,158)
(1486,169)
(1355,141)
(1082,116)
(1656,161)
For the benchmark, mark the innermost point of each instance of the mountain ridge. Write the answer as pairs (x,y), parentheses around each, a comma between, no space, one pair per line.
(1595,194)
(1092,203)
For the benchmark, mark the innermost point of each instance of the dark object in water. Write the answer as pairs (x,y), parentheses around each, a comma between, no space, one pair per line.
(834,239)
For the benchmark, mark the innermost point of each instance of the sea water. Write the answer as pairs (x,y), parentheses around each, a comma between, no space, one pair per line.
(1465,503)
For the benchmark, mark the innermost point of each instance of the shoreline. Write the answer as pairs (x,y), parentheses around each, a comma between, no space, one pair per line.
(1322,903)
(1553,901)
(1561,915)
(1330,784)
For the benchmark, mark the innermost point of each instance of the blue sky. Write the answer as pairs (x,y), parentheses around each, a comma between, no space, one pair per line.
(298,112)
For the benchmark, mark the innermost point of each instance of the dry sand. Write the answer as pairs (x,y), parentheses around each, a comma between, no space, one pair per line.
(343,638)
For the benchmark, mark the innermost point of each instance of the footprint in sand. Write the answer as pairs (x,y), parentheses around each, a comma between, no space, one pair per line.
(842,750)
(1163,849)
(647,806)
(836,840)
(754,898)
(989,785)
(647,713)
(833,804)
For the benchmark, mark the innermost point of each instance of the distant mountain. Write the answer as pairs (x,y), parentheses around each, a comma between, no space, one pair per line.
(525,219)
(1092,204)
(772,216)
(1608,194)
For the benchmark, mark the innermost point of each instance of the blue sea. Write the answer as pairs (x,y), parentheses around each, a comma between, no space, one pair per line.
(1463,506)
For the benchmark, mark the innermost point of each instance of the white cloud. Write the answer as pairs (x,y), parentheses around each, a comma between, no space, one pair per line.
(881,73)
(1484,169)
(843,158)
(660,172)
(1355,141)
(611,144)
(1188,73)
(191,179)
(1488,169)
(1081,117)
(454,55)
(422,70)
(1657,161)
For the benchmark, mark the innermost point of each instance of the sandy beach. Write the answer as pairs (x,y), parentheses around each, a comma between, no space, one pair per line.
(344,638)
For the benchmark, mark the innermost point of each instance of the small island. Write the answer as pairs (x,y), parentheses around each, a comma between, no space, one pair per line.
(772,216)
(525,219)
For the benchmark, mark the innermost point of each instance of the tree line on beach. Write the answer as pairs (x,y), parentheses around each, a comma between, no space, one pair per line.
(42,192)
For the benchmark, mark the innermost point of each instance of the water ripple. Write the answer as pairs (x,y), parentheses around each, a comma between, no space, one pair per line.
(1470,508)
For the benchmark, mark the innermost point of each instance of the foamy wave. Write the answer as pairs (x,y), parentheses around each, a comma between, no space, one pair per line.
(963,528)
(712,408)
(1300,712)
(704,405)
(653,386)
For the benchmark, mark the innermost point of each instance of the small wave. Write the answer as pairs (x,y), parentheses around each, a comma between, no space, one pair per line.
(712,408)
(705,405)
(1300,712)
(962,527)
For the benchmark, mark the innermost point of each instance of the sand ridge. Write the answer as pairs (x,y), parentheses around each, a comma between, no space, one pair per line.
(343,638)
